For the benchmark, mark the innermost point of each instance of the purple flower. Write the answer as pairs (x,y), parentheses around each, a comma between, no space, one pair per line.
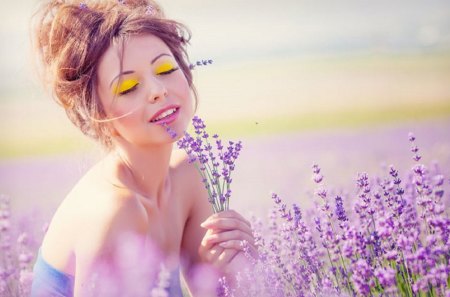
(386,276)
(317,178)
(200,63)
(169,130)
(414,148)
(340,211)
(214,165)
(316,169)
(398,242)
(150,10)
(362,274)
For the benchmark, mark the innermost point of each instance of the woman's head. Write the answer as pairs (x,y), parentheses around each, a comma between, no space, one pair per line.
(72,37)
(142,87)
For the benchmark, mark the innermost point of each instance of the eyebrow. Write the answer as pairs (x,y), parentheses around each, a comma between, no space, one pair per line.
(130,71)
(159,56)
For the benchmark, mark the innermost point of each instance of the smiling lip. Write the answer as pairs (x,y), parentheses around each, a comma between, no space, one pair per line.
(167,119)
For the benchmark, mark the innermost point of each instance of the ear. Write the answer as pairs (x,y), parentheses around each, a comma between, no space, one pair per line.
(113,131)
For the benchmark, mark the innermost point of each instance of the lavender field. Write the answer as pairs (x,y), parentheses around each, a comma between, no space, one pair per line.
(282,164)
(278,163)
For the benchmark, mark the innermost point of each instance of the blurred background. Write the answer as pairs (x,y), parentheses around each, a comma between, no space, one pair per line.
(340,83)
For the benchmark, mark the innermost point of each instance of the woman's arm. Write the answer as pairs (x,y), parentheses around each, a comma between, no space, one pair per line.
(211,238)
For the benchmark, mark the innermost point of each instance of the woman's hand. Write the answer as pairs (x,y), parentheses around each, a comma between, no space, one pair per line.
(222,244)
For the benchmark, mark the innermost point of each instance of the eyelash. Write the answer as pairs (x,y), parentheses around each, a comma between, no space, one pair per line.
(134,87)
(129,90)
(169,71)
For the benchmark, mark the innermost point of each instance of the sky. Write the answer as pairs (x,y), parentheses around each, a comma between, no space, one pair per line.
(233,31)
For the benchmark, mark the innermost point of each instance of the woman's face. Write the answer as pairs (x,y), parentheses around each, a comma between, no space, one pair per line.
(149,91)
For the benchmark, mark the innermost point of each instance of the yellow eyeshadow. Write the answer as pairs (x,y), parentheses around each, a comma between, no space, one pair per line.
(124,86)
(164,67)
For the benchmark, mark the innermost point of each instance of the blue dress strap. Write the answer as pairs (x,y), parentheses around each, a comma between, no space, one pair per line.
(48,281)
(174,289)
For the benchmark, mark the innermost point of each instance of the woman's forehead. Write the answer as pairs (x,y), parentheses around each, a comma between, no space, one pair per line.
(129,53)
(143,45)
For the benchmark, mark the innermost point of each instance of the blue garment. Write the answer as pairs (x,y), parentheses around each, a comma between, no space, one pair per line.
(50,282)
(174,289)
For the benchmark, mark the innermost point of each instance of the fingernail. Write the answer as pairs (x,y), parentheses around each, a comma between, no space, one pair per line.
(223,244)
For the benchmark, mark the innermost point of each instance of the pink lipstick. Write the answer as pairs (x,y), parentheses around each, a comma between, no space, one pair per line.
(166,115)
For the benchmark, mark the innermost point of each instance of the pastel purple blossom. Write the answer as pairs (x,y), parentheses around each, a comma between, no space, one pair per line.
(386,276)
(318,178)
(170,131)
(150,10)
(200,63)
(215,164)
(394,241)
(340,211)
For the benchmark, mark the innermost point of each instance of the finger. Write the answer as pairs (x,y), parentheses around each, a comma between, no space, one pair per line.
(225,257)
(229,214)
(206,244)
(233,244)
(233,213)
(240,246)
(212,254)
(207,233)
(215,238)
(227,224)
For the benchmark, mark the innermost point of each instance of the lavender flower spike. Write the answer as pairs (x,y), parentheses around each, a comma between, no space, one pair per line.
(169,130)
(215,165)
(200,63)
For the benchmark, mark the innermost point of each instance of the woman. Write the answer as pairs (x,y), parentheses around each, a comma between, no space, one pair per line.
(120,71)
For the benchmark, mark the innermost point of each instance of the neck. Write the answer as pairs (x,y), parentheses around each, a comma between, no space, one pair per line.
(145,168)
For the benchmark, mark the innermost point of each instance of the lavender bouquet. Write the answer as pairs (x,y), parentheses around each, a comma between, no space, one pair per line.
(214,165)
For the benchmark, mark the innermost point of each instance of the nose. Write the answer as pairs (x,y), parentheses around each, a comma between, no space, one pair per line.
(158,91)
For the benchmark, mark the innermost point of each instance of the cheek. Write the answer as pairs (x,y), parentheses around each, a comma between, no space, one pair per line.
(115,106)
(188,100)
(118,110)
(123,109)
(186,92)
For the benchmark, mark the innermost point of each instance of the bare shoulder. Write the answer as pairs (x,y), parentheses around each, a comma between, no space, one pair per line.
(89,221)
(114,213)
(93,213)
(109,221)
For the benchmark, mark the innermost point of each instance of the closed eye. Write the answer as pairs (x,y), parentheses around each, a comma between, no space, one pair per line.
(126,86)
(166,68)
(168,71)
(124,92)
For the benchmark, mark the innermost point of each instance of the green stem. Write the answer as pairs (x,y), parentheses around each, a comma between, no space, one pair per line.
(406,275)
(202,174)
(348,285)
(331,262)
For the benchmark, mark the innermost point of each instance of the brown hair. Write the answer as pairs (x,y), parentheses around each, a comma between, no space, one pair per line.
(71,36)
